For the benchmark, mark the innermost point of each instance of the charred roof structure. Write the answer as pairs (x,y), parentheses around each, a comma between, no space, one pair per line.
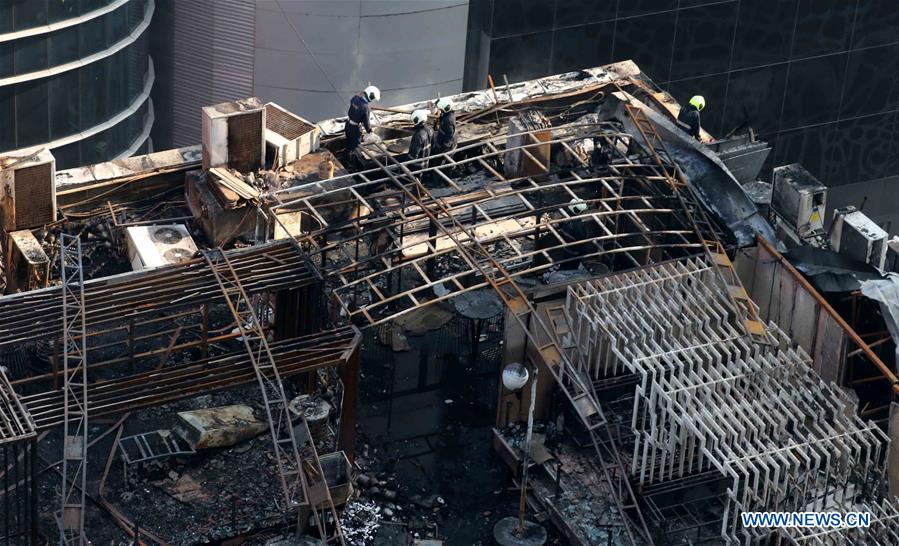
(175,307)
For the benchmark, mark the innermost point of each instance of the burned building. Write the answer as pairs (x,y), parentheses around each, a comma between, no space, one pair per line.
(249,342)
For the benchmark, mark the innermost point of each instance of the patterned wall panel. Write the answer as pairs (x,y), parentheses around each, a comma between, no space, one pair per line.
(805,74)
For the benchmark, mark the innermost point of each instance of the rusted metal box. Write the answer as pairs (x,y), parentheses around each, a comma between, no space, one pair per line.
(288,136)
(338,471)
(219,224)
(27,190)
(27,265)
(234,135)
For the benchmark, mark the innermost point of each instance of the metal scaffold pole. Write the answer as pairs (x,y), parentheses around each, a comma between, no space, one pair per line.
(299,467)
(75,426)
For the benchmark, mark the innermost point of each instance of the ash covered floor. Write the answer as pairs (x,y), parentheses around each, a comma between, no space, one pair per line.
(424,440)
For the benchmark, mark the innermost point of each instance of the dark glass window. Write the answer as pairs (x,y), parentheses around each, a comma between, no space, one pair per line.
(63,46)
(32,113)
(87,98)
(6,59)
(7,118)
(116,25)
(29,13)
(92,36)
(91,5)
(118,91)
(63,104)
(135,12)
(95,149)
(5,16)
(31,54)
(67,156)
(60,10)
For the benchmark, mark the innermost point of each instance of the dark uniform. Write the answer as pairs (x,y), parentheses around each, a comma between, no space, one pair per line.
(420,146)
(689,116)
(357,117)
(445,138)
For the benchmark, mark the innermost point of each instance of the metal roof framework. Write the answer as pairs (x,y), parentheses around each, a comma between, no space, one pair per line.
(490,237)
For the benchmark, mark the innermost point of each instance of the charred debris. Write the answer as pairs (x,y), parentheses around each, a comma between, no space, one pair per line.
(249,342)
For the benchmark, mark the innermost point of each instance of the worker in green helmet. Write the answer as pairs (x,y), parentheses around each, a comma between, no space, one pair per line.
(689,116)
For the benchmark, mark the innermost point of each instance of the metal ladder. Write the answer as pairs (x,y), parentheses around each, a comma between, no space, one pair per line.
(577,389)
(296,467)
(701,223)
(74,463)
(155,444)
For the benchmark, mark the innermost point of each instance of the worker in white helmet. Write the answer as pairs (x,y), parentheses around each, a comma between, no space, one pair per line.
(445,136)
(420,145)
(357,118)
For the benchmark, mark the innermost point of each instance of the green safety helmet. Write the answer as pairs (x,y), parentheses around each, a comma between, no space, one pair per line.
(698,101)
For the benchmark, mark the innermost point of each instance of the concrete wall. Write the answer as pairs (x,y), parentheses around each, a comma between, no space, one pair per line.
(310,56)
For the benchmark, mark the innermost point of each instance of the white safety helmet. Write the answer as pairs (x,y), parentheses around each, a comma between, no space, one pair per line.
(419,116)
(372,93)
(444,104)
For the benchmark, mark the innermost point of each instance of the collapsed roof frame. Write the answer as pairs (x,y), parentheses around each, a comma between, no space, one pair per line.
(634,192)
(629,190)
(457,217)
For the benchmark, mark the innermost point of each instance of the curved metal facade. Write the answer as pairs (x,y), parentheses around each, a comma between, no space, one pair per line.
(75,77)
(309,56)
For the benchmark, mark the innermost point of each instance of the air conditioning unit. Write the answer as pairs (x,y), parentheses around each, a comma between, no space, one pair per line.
(234,135)
(154,246)
(27,190)
(799,199)
(856,236)
(27,265)
(891,264)
(288,136)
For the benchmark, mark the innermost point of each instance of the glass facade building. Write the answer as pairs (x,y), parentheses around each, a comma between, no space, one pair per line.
(817,79)
(76,76)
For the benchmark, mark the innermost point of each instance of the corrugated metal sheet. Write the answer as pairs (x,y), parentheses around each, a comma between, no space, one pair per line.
(212,60)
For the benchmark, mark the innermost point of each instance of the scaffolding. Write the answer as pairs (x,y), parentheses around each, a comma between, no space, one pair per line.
(299,468)
(709,397)
(75,427)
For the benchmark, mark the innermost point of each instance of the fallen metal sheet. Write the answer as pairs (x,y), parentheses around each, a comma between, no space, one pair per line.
(829,271)
(886,293)
(716,187)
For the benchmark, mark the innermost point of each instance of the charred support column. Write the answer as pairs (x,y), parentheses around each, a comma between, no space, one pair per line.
(300,312)
(349,374)
(18,497)
(534,160)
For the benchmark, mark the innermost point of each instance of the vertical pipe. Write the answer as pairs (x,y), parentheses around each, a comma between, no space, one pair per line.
(430,264)
(55,362)
(204,310)
(131,346)
(522,501)
(32,492)
(6,492)
(15,483)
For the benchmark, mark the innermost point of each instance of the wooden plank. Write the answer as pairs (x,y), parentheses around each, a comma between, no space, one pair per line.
(234,183)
